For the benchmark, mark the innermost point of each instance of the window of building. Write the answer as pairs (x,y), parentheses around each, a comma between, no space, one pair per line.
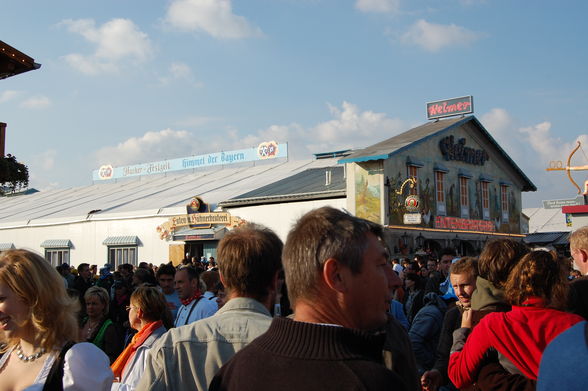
(413,172)
(504,202)
(464,197)
(117,255)
(57,256)
(485,201)
(57,251)
(122,249)
(440,192)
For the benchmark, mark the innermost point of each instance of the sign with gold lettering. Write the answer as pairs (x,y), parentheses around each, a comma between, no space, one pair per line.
(167,229)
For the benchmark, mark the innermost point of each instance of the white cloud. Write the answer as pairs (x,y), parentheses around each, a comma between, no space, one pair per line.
(116,41)
(196,122)
(36,102)
(152,146)
(349,127)
(214,17)
(41,166)
(434,37)
(382,6)
(352,127)
(8,95)
(179,71)
(533,148)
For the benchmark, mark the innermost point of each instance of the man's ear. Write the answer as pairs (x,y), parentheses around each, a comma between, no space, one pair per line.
(334,275)
(583,255)
(222,278)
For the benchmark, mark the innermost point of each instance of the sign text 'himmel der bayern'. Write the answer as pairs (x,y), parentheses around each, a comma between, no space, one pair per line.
(266,150)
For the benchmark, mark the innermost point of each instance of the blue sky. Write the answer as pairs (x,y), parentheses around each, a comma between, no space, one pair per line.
(131,81)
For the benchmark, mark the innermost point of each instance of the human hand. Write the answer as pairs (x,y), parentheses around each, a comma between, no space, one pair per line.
(431,380)
(466,318)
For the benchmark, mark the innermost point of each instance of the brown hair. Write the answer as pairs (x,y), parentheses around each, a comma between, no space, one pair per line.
(538,274)
(41,288)
(498,258)
(210,278)
(249,258)
(465,265)
(152,302)
(317,236)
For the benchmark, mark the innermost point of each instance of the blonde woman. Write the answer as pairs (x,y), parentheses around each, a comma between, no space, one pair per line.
(150,316)
(97,327)
(38,320)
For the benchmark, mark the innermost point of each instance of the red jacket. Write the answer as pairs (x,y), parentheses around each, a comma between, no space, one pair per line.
(521,335)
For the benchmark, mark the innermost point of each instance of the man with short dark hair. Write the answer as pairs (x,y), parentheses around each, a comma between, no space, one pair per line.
(186,358)
(442,273)
(165,278)
(189,288)
(338,276)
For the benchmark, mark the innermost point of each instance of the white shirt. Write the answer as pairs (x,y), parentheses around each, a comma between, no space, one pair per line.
(196,310)
(85,368)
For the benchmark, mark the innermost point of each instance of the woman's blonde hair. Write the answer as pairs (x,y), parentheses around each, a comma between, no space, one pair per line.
(538,274)
(153,305)
(52,311)
(102,295)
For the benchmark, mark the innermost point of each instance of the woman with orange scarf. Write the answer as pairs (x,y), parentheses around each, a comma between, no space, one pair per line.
(150,316)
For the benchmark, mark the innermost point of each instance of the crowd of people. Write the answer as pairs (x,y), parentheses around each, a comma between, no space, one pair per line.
(327,309)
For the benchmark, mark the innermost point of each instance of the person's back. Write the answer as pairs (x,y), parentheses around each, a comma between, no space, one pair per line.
(425,330)
(187,357)
(339,282)
(566,354)
(338,359)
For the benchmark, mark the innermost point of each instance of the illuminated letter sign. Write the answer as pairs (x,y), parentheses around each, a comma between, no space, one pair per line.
(450,107)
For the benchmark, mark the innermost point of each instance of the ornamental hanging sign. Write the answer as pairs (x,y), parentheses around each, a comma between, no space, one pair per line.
(450,107)
(167,229)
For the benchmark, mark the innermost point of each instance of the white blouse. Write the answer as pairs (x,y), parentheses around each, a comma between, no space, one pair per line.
(85,368)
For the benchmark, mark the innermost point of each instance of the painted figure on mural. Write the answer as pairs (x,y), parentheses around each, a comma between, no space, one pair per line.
(426,195)
(452,202)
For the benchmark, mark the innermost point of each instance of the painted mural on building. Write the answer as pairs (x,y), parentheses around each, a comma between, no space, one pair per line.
(367,192)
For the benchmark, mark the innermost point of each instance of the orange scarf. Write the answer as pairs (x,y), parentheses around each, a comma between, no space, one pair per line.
(138,339)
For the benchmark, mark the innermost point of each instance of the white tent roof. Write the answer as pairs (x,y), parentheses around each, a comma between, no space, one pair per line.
(146,196)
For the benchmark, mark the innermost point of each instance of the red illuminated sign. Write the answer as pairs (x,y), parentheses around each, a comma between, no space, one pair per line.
(464,224)
(450,107)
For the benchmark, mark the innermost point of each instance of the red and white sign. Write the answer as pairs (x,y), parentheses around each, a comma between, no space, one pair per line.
(444,222)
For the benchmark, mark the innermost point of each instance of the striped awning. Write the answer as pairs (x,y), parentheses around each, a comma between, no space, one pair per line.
(6,246)
(56,243)
(121,241)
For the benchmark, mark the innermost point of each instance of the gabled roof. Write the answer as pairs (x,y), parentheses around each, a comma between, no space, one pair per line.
(387,148)
(314,183)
